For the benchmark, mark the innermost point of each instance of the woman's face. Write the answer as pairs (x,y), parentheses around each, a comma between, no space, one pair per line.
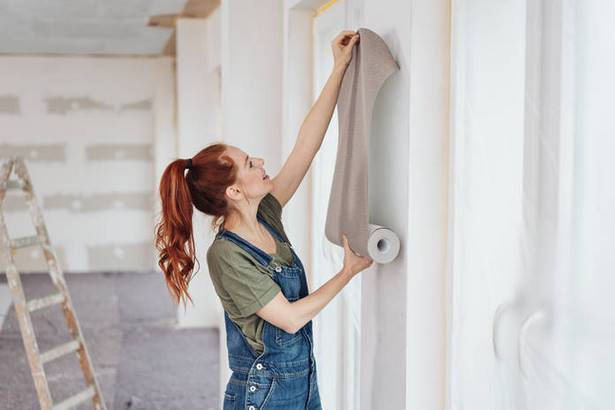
(252,179)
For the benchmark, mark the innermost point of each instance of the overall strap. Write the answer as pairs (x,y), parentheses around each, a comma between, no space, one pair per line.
(271,229)
(278,235)
(258,254)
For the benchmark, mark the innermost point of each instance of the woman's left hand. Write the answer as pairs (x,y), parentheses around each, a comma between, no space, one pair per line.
(342,48)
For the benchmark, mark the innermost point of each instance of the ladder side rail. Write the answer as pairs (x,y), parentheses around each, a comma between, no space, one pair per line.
(19,302)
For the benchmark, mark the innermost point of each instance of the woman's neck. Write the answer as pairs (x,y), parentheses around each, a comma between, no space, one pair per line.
(245,223)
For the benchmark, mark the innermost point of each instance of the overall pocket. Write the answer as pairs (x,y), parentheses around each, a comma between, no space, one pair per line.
(291,392)
(289,278)
(229,401)
(260,392)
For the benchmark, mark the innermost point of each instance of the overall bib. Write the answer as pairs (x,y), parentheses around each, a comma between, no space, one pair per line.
(283,376)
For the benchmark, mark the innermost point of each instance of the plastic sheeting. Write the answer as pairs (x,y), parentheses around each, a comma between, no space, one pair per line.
(533,208)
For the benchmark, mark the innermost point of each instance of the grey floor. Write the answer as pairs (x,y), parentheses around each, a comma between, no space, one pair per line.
(141,359)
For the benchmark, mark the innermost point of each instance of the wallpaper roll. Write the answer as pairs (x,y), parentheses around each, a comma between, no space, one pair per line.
(382,244)
(371,64)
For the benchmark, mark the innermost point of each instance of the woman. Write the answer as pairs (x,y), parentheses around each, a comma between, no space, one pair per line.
(257,275)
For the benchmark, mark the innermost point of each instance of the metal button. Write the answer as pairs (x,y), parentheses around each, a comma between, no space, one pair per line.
(259,366)
(252,408)
(278,269)
(252,388)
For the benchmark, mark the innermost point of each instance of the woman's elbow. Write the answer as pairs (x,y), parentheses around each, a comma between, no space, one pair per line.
(292,328)
(294,322)
(281,313)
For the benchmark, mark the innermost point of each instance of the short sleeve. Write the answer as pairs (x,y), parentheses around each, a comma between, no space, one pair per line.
(271,210)
(248,287)
(271,207)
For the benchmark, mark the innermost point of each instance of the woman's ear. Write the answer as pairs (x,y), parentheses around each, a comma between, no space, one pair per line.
(233,192)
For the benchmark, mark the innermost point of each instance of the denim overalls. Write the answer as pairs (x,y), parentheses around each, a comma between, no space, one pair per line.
(283,376)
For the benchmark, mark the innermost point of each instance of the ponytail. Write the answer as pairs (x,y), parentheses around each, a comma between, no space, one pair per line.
(210,172)
(174,237)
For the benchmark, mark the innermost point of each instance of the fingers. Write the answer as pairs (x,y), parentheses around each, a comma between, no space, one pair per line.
(347,245)
(340,37)
(344,33)
(366,259)
(345,241)
(350,44)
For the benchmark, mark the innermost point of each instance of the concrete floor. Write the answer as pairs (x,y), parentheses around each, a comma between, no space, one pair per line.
(141,360)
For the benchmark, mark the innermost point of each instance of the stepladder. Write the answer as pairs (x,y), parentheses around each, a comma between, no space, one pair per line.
(14,176)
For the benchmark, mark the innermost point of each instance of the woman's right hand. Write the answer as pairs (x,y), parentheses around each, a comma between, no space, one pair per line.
(353,262)
(342,48)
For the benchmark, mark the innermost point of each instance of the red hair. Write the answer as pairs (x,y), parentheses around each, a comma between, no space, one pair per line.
(203,187)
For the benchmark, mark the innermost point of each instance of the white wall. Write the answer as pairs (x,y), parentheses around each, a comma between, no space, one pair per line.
(428,184)
(297,98)
(198,125)
(86,126)
(251,58)
(403,303)
(384,291)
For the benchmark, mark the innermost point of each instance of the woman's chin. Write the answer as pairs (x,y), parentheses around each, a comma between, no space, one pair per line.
(268,185)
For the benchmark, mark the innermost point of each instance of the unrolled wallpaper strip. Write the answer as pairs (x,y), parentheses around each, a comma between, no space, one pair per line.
(371,64)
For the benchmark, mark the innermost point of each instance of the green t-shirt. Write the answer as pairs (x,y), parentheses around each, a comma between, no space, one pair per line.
(241,282)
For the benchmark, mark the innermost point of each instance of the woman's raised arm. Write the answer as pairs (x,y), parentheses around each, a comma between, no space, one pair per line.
(315,124)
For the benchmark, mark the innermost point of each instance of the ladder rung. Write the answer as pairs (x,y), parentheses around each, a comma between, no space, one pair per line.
(25,241)
(76,399)
(10,184)
(36,304)
(59,351)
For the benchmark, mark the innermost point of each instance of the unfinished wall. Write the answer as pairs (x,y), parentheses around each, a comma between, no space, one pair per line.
(86,127)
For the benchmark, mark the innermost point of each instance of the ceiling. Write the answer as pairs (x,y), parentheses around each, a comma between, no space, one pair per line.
(85,26)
